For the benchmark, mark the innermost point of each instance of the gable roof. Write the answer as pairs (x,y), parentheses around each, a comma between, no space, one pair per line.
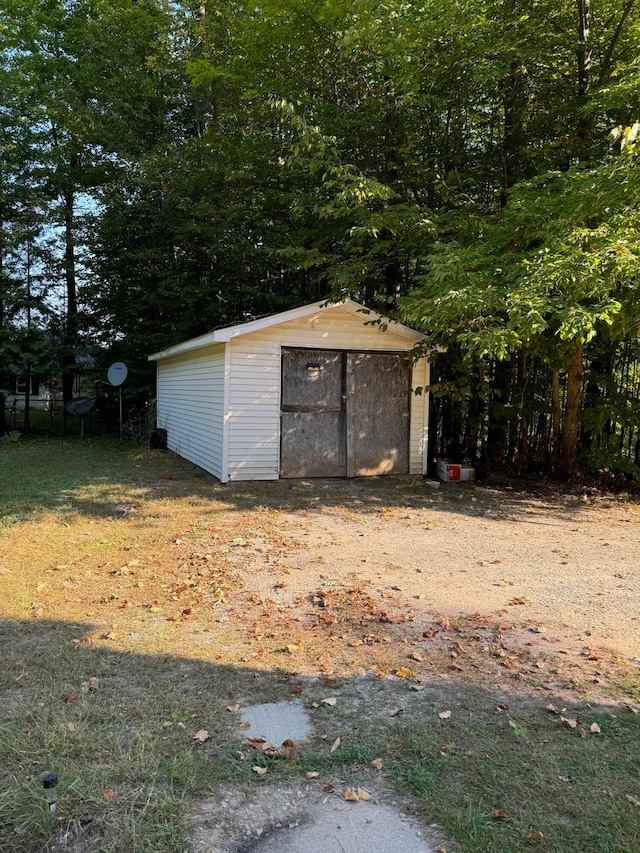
(224,335)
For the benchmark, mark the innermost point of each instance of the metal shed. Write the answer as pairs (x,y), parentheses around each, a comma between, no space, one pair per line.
(318,391)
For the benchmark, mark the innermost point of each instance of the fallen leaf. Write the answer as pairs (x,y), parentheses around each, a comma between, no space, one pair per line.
(446,624)
(350,795)
(594,728)
(404,672)
(233,708)
(377,763)
(244,726)
(569,723)
(288,749)
(535,836)
(68,698)
(201,736)
(363,795)
(108,794)
(312,774)
(330,701)
(416,656)
(395,711)
(259,770)
(329,789)
(444,715)
(91,684)
(335,745)
(634,800)
(356,768)
(499,814)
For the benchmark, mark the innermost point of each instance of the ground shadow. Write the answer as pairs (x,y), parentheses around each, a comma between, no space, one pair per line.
(102,478)
(138,740)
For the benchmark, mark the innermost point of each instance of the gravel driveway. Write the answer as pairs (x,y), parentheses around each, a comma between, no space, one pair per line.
(570,562)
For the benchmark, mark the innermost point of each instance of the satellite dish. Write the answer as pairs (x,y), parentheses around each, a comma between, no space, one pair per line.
(79,406)
(117,373)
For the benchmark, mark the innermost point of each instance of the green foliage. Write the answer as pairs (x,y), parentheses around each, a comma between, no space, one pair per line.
(187,167)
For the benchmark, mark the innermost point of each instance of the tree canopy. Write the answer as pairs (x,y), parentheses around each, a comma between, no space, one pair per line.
(179,166)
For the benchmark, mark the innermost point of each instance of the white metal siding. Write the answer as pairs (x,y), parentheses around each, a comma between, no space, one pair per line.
(191,406)
(419,429)
(254,386)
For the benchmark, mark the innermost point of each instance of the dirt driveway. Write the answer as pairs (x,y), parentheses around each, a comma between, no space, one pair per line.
(562,569)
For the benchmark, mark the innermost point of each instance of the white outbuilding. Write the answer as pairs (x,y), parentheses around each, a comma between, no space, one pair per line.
(325,390)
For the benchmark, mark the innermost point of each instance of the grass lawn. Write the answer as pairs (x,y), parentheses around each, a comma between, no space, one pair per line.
(124,632)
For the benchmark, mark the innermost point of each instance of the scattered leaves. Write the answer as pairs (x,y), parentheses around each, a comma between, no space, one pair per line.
(108,794)
(444,715)
(91,684)
(499,814)
(233,708)
(259,770)
(201,735)
(335,745)
(330,701)
(312,774)
(377,763)
(350,795)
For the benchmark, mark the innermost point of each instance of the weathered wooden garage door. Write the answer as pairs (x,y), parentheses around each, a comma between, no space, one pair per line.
(344,413)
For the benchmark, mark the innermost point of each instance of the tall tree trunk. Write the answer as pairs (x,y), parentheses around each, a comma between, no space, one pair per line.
(555,418)
(498,423)
(71,322)
(569,462)
(524,421)
(585,120)
(514,102)
(3,374)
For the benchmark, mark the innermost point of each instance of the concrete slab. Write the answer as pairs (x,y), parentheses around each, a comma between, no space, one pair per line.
(354,827)
(277,722)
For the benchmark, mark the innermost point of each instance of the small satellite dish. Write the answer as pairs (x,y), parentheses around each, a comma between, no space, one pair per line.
(79,406)
(117,373)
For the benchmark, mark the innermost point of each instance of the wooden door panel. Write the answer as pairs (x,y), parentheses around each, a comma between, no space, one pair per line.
(378,387)
(312,441)
(312,444)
